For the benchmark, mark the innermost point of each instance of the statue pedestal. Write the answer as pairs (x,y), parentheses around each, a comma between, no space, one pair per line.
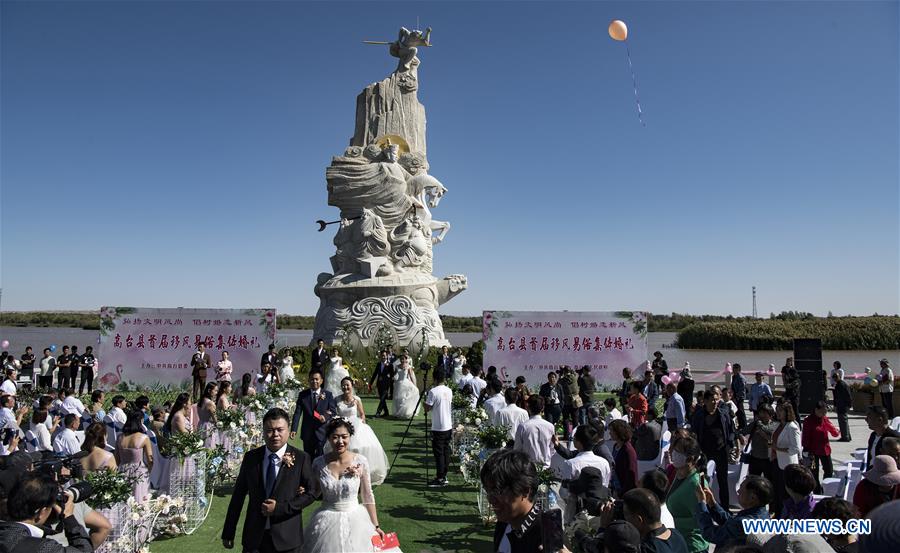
(406,302)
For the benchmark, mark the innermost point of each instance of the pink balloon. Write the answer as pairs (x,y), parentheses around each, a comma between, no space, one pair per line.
(665,380)
(674,377)
(728,368)
(4,344)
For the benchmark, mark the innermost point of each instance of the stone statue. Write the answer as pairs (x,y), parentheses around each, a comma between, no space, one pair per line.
(405,47)
(384,246)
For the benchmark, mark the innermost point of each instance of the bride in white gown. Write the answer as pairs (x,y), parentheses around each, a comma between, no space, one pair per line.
(458,361)
(406,393)
(342,524)
(335,373)
(364,441)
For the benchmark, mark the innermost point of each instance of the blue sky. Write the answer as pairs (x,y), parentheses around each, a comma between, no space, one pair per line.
(173,153)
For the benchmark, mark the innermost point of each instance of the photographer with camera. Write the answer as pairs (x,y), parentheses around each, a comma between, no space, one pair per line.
(30,504)
(510,481)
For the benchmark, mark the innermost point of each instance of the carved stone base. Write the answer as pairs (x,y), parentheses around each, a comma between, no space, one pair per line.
(407,303)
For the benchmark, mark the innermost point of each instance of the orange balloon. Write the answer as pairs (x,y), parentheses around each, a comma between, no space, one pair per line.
(618,30)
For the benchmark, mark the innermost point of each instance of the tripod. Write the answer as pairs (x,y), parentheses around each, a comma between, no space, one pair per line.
(425,368)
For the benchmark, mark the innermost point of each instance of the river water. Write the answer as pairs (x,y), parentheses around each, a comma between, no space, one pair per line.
(701,360)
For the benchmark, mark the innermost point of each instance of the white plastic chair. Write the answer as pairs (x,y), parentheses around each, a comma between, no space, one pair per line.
(711,478)
(113,430)
(159,473)
(31,441)
(737,478)
(854,479)
(644,466)
(895,424)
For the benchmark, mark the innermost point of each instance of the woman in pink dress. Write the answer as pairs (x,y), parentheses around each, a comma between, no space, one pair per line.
(134,454)
(224,368)
(206,414)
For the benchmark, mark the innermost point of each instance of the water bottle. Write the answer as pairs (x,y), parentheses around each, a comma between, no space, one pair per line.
(552,502)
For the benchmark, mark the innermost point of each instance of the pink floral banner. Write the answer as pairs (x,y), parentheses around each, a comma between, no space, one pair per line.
(152,348)
(532,343)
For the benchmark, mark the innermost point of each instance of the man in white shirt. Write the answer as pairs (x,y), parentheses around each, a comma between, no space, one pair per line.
(117,411)
(465,378)
(438,402)
(7,416)
(611,414)
(48,365)
(71,403)
(495,402)
(66,441)
(511,415)
(534,437)
(477,382)
(585,437)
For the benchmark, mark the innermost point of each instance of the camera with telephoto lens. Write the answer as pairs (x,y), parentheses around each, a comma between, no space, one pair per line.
(56,464)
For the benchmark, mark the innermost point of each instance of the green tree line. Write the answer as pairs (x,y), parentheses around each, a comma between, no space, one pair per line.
(836,333)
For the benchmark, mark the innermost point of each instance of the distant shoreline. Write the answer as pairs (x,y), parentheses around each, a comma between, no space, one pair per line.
(694,332)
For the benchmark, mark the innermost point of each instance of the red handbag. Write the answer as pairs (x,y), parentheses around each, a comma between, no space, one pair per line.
(390,541)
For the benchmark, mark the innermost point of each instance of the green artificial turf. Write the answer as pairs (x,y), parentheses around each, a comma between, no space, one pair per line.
(425,519)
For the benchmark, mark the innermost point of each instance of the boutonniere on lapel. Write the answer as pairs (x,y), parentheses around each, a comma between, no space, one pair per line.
(322,396)
(288,459)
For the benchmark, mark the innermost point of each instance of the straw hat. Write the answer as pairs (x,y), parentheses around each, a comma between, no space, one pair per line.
(884,471)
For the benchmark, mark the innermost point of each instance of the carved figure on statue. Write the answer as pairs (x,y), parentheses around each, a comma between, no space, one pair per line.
(427,192)
(410,241)
(405,47)
(358,240)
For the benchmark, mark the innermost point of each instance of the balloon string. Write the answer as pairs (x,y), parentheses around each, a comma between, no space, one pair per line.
(634,84)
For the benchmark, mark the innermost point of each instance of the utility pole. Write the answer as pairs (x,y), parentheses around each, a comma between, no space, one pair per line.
(754,302)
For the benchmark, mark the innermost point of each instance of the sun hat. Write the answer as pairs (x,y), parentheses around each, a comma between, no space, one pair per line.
(622,536)
(884,471)
(885,529)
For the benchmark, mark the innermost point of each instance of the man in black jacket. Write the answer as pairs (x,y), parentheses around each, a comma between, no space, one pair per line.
(842,403)
(319,357)
(30,502)
(269,357)
(714,428)
(273,476)
(383,378)
(510,481)
(877,419)
(316,405)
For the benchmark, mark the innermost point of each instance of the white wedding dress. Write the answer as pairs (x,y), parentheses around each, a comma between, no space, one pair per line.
(286,370)
(364,441)
(342,523)
(458,363)
(406,393)
(334,374)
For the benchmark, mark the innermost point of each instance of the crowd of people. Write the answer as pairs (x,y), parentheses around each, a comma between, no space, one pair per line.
(614,468)
(641,463)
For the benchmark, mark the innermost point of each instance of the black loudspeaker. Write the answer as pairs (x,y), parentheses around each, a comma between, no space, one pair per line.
(813,365)
(807,348)
(812,389)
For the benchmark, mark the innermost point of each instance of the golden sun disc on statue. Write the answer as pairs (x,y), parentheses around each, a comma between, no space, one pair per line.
(387,139)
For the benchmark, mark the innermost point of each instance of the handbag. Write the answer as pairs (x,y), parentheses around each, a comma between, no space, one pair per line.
(390,541)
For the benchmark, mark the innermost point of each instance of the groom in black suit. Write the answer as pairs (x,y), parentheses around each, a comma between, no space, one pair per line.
(317,407)
(273,475)
(319,356)
(383,377)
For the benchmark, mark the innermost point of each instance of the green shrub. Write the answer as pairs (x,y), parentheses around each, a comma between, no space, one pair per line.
(836,333)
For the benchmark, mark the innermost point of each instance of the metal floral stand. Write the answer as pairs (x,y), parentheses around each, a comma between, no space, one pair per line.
(187,480)
(118,541)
